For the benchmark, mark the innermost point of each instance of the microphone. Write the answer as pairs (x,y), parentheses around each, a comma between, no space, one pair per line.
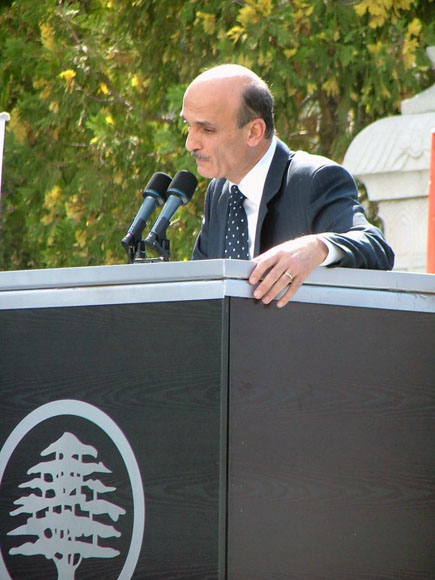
(180,191)
(154,194)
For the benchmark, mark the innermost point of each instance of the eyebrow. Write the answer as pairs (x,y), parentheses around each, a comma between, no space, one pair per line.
(200,123)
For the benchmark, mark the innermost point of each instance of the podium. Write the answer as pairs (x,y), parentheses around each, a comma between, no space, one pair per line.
(158,422)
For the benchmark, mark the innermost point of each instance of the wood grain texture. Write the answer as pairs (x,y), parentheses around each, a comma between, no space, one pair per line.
(156,370)
(331,439)
(331,443)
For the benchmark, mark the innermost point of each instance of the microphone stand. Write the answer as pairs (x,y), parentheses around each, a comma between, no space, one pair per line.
(179,192)
(159,244)
(136,253)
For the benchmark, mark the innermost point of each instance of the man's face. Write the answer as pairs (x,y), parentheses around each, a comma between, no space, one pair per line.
(219,146)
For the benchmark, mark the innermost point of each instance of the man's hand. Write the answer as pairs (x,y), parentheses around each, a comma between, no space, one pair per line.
(286,266)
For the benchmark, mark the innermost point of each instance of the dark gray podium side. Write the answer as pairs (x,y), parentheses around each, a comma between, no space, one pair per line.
(278,444)
(331,462)
(156,370)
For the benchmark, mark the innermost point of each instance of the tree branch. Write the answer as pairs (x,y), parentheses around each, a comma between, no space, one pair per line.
(83,48)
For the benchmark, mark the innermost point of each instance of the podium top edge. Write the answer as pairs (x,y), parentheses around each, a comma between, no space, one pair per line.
(205,270)
(146,273)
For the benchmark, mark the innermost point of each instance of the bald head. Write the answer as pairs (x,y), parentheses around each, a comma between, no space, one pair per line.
(229,113)
(228,71)
(256,100)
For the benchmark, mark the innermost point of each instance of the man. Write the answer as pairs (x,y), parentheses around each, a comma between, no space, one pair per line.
(302,210)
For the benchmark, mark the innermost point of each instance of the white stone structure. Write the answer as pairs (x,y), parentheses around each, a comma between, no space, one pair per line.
(392,157)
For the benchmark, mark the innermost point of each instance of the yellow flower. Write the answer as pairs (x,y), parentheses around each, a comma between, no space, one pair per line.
(361,8)
(52,197)
(382,10)
(331,87)
(68,75)
(45,93)
(248,15)
(408,51)
(47,219)
(235,33)
(414,27)
(377,10)
(104,88)
(208,22)
(374,48)
(47,35)
(289,52)
(301,13)
(109,120)
(74,208)
(377,20)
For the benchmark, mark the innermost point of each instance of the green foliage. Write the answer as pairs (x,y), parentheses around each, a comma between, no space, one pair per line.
(94,90)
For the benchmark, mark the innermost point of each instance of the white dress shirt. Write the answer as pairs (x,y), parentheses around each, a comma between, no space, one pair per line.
(252,185)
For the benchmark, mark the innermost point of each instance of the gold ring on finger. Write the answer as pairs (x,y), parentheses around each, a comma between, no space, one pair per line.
(290,276)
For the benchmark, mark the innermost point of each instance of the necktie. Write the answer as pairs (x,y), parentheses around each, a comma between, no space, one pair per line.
(236,238)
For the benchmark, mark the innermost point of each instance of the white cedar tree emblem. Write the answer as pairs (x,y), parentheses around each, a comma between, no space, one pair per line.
(64,508)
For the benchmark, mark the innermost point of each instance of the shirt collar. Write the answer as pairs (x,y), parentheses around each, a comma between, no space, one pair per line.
(252,184)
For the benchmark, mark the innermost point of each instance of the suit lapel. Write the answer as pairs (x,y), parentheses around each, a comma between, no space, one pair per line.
(222,214)
(272,186)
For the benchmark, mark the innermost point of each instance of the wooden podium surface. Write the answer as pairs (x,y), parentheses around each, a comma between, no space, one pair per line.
(260,443)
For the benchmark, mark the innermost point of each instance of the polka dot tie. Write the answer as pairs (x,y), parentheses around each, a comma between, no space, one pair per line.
(236,239)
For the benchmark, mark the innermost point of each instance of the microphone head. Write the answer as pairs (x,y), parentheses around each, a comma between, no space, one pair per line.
(183,185)
(157,187)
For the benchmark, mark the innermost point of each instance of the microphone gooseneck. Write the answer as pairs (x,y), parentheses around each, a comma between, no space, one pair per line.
(179,192)
(154,194)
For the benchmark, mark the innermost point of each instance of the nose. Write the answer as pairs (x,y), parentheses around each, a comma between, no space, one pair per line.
(192,143)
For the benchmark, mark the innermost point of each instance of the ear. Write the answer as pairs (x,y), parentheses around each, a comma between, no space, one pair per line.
(257,128)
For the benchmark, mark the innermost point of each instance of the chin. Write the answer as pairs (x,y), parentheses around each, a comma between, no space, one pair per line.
(206,172)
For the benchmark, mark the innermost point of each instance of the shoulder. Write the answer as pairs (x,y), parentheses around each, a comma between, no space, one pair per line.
(301,163)
(307,162)
(318,169)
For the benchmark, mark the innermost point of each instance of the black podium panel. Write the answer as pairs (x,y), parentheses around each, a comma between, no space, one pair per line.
(331,463)
(159,423)
(157,371)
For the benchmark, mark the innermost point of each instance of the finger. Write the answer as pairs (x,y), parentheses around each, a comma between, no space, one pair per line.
(285,298)
(260,268)
(274,289)
(272,284)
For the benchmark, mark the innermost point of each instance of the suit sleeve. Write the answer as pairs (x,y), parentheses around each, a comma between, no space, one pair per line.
(339,216)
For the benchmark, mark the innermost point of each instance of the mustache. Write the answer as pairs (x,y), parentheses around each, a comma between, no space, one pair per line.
(199,156)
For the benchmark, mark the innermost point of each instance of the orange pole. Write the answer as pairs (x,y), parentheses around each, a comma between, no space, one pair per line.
(430,256)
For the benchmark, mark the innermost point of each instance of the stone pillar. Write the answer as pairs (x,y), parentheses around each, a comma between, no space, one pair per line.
(391,158)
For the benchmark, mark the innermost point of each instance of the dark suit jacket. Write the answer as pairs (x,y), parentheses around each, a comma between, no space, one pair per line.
(303,194)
